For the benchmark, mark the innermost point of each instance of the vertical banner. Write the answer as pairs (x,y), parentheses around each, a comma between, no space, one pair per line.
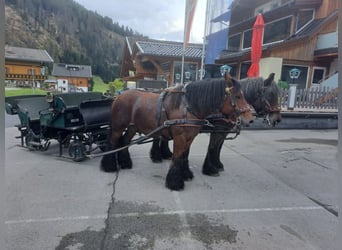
(217,33)
(190,7)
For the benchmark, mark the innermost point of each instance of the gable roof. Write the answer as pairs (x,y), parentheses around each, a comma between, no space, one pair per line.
(169,49)
(27,54)
(71,70)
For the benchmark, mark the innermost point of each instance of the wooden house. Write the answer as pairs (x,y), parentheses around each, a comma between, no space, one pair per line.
(26,67)
(298,34)
(152,62)
(72,78)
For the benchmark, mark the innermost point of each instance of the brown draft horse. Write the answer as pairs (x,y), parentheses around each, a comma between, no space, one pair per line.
(137,111)
(262,94)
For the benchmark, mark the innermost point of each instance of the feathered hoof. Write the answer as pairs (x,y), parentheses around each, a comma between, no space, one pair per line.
(108,163)
(167,155)
(174,180)
(210,170)
(126,163)
(156,159)
(188,175)
(220,168)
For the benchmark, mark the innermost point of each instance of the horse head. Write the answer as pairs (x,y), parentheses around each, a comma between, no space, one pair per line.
(267,104)
(235,100)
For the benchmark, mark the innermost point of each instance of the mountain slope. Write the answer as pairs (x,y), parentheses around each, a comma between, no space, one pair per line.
(69,32)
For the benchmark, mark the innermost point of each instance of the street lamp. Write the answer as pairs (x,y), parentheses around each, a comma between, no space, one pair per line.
(187,75)
(294,74)
(225,69)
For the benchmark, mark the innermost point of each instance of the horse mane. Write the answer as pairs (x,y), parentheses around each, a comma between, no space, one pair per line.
(205,96)
(253,87)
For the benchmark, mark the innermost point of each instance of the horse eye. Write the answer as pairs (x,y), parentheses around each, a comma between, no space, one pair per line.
(238,97)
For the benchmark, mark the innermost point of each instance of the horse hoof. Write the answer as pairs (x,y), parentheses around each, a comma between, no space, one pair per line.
(210,172)
(126,163)
(174,181)
(108,164)
(156,160)
(175,187)
(167,156)
(188,175)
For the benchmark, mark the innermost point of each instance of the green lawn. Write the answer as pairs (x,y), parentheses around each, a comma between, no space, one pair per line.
(99,86)
(23,91)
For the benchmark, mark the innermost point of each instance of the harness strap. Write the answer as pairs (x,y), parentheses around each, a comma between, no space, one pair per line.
(185,122)
(160,106)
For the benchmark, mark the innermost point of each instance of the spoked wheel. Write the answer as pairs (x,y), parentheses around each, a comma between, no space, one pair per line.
(32,142)
(77,151)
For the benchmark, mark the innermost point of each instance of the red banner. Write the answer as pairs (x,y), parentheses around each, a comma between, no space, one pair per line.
(190,7)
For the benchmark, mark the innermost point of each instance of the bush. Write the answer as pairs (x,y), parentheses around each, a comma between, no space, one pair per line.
(283,84)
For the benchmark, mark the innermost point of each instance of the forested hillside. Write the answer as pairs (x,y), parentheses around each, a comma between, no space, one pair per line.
(69,32)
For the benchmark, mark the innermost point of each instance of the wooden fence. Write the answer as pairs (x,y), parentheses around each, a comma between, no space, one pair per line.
(313,99)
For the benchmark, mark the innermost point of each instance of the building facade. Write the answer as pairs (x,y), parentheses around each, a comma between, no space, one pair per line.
(26,67)
(72,78)
(298,34)
(154,61)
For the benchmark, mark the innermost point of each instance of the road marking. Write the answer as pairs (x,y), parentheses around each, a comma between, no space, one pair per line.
(180,212)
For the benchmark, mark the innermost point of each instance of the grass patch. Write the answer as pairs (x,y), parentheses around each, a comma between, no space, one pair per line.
(99,85)
(23,91)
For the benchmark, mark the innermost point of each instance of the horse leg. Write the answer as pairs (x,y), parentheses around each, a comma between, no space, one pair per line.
(216,160)
(212,164)
(165,150)
(155,152)
(124,158)
(187,173)
(109,161)
(176,174)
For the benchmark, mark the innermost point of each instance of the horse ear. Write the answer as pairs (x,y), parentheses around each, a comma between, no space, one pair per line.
(269,80)
(229,79)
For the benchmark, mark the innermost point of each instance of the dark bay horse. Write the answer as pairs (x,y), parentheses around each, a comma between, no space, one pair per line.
(186,107)
(262,94)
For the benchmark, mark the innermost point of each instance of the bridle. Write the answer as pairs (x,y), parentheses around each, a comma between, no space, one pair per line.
(237,110)
(267,107)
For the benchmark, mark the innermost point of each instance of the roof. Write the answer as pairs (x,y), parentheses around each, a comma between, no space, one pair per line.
(71,70)
(27,54)
(169,49)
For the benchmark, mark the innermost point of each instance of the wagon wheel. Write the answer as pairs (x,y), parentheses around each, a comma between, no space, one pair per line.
(101,141)
(77,151)
(31,141)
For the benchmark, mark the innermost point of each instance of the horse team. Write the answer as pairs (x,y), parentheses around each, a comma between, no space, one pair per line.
(180,113)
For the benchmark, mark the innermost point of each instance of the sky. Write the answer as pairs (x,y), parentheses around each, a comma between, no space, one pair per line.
(157,19)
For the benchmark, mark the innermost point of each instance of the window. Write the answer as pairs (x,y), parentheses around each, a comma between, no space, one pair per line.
(244,69)
(278,30)
(318,75)
(234,41)
(301,81)
(303,18)
(190,72)
(247,39)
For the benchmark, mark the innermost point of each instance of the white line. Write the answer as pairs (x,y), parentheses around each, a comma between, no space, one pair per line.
(185,233)
(180,212)
(56,219)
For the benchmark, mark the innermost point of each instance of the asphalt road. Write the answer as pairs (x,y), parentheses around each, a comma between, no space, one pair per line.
(278,191)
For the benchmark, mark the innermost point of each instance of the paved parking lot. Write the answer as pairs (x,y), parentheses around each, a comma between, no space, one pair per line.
(278,191)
